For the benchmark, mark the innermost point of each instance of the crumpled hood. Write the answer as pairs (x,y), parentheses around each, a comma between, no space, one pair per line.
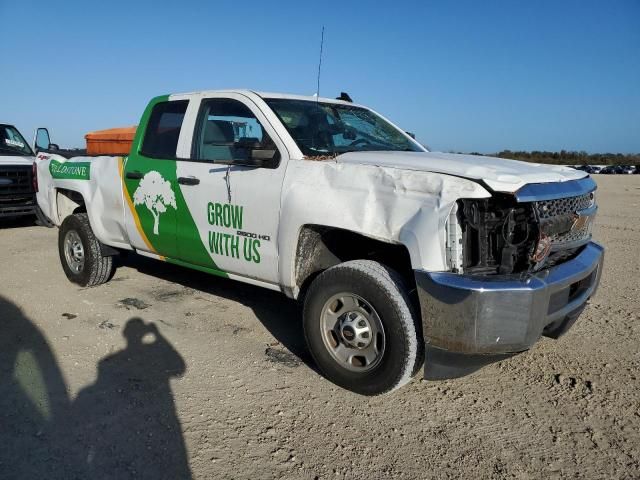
(16,160)
(499,174)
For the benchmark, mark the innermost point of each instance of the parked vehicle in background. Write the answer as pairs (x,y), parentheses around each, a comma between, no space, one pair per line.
(627,169)
(591,169)
(394,249)
(610,170)
(17,188)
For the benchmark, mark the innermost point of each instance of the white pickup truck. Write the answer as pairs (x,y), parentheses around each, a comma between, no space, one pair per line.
(399,253)
(17,189)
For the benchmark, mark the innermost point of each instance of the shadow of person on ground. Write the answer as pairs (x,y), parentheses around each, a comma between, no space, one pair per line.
(32,395)
(281,316)
(123,426)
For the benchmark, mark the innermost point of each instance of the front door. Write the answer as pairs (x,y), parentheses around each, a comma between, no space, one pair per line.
(235,207)
(152,195)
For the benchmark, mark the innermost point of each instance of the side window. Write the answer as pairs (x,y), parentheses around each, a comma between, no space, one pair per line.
(228,131)
(163,129)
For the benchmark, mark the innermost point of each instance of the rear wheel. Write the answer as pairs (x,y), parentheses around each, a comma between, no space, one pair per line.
(81,253)
(361,329)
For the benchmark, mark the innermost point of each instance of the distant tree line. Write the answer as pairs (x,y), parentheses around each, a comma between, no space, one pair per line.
(564,157)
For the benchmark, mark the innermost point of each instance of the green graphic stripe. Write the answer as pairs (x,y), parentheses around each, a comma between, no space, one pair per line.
(200,268)
(177,236)
(70,171)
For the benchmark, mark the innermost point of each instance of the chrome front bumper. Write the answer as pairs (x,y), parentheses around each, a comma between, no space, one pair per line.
(500,315)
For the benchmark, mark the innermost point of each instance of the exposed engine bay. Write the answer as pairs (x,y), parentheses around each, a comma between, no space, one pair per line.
(500,236)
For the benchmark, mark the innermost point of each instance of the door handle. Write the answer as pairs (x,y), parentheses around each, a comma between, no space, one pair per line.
(188,181)
(134,175)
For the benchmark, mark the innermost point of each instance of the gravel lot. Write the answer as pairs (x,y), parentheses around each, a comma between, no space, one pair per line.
(225,389)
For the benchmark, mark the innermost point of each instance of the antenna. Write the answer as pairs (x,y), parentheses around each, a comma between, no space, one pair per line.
(320,64)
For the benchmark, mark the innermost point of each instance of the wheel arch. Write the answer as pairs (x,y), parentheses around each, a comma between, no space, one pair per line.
(68,202)
(320,247)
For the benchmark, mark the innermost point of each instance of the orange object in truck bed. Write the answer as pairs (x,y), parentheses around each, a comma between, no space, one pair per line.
(114,141)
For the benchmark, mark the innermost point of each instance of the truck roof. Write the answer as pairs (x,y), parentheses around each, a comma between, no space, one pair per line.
(248,92)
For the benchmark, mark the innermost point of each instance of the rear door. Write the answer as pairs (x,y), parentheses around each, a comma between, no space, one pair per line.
(150,181)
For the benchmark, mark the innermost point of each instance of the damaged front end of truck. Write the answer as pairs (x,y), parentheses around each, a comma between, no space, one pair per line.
(520,266)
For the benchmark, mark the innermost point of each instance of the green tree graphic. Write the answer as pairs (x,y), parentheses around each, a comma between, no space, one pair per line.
(156,194)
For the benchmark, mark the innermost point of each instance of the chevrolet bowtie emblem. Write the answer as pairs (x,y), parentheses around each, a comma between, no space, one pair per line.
(580,222)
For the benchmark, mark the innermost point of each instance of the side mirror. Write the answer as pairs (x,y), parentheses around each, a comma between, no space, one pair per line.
(411,134)
(42,140)
(263,157)
(256,154)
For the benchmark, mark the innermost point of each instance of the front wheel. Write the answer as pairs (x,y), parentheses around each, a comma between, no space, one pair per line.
(81,253)
(361,328)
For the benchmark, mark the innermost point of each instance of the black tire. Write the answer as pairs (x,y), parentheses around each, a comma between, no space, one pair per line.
(383,289)
(42,220)
(96,268)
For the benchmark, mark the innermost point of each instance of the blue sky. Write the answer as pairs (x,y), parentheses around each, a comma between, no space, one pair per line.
(463,75)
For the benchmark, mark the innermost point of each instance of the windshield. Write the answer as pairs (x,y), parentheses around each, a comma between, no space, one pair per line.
(329,129)
(12,143)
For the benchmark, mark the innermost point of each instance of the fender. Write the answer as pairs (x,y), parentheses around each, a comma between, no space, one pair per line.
(384,203)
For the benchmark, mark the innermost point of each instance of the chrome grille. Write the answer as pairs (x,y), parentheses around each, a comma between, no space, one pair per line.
(563,206)
(567,207)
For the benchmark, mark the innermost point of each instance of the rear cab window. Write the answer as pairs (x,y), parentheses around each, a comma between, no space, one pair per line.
(163,129)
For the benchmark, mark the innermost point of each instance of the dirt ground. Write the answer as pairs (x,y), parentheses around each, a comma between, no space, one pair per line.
(169,373)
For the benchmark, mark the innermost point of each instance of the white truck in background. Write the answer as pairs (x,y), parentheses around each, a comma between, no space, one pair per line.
(17,189)
(398,253)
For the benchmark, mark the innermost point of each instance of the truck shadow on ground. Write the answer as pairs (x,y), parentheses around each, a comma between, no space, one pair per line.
(281,316)
(17,222)
(122,426)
